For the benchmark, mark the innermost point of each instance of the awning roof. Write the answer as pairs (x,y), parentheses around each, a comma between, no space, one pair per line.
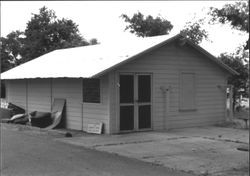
(89,61)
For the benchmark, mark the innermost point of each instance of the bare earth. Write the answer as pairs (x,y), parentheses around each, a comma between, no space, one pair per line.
(26,152)
(202,151)
(194,151)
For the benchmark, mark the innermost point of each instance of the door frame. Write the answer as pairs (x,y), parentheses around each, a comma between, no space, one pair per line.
(136,104)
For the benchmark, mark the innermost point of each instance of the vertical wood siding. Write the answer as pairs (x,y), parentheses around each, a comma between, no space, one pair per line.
(42,92)
(39,95)
(16,92)
(166,63)
(71,90)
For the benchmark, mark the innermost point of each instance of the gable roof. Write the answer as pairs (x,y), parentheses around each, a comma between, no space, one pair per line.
(93,60)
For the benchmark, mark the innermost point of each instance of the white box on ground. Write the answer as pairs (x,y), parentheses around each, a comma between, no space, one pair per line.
(94,128)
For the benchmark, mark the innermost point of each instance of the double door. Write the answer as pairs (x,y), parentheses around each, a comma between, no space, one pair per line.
(135,102)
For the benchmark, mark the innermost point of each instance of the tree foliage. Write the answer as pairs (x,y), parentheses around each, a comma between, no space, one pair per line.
(241,81)
(44,33)
(10,48)
(147,26)
(194,31)
(236,14)
(93,41)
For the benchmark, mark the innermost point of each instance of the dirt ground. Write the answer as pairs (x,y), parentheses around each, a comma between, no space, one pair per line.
(202,151)
(33,152)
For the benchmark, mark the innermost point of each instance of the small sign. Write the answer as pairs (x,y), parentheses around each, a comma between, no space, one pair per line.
(94,128)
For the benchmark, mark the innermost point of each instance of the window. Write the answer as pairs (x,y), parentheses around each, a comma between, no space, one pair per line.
(187,91)
(3,90)
(91,90)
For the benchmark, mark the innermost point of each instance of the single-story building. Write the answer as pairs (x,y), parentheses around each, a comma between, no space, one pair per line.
(156,83)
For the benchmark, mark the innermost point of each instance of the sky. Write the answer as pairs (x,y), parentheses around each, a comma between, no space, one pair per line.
(102,19)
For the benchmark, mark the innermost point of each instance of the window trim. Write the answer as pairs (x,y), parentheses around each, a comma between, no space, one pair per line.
(194,107)
(100,92)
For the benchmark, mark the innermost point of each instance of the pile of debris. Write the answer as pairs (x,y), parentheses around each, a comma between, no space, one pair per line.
(11,113)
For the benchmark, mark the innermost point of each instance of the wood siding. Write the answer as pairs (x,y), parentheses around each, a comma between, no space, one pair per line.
(98,112)
(113,102)
(42,92)
(39,95)
(71,90)
(16,92)
(165,64)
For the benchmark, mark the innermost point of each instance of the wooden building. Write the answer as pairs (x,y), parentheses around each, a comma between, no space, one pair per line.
(156,83)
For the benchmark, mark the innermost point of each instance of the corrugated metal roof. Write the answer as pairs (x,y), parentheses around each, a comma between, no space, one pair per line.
(85,62)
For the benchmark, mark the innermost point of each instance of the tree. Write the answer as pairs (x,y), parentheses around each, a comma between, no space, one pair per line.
(236,14)
(10,48)
(241,81)
(194,31)
(149,26)
(93,41)
(43,33)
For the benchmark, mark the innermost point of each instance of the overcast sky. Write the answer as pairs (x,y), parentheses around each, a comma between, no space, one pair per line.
(102,20)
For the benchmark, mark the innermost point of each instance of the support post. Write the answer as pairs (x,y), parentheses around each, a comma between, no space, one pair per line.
(51,94)
(82,103)
(231,102)
(26,96)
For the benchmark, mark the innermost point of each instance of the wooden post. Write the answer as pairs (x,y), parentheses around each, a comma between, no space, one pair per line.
(82,104)
(51,94)
(26,96)
(226,104)
(231,102)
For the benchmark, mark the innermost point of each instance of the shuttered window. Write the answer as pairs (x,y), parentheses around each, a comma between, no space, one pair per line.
(187,91)
(91,90)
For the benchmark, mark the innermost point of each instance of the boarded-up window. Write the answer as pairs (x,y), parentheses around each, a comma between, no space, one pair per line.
(187,91)
(91,90)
